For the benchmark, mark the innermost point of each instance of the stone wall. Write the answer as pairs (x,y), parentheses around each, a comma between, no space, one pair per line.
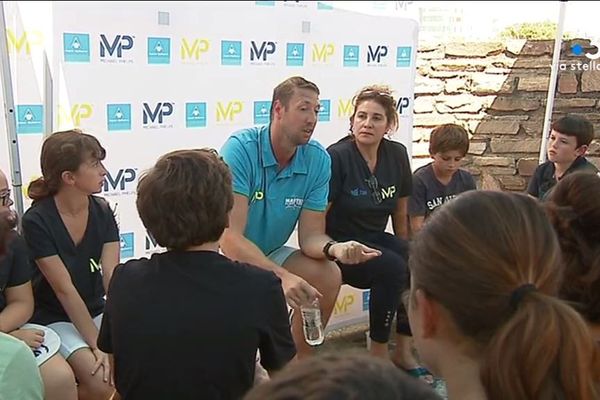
(498,91)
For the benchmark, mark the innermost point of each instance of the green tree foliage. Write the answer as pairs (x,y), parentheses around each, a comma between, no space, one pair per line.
(533,30)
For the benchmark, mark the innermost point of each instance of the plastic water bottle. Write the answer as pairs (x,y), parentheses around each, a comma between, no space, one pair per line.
(312,324)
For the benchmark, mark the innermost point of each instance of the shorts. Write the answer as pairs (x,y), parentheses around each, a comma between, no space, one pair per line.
(279,256)
(70,339)
(50,346)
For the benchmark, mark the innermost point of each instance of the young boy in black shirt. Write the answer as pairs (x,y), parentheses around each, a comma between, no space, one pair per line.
(187,323)
(569,141)
(442,179)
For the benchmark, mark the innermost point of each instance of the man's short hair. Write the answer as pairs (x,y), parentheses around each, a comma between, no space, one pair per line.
(285,90)
(574,125)
(449,137)
(185,199)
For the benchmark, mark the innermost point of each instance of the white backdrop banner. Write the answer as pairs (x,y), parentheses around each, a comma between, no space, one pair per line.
(150,77)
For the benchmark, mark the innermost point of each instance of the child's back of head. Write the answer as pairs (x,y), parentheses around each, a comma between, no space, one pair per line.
(342,376)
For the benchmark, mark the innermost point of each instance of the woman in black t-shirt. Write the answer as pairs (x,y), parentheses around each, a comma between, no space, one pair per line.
(73,238)
(371,182)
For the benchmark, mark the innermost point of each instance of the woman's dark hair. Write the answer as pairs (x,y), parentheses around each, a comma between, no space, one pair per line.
(63,151)
(574,209)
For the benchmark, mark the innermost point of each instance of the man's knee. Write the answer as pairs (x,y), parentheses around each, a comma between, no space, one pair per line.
(323,274)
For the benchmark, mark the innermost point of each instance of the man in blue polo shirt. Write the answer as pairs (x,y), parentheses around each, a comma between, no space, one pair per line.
(280,178)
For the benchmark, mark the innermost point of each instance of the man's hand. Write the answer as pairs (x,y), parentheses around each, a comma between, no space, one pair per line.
(297,291)
(353,252)
(32,337)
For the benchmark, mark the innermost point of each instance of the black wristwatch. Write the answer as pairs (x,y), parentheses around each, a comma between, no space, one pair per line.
(326,250)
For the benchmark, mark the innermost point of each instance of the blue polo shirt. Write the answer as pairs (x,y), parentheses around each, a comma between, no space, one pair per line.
(275,198)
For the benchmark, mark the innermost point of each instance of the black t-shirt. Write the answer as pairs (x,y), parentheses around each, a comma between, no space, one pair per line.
(360,203)
(186,325)
(15,269)
(46,235)
(429,193)
(543,178)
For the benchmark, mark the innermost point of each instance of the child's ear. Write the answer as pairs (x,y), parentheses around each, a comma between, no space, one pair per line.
(581,150)
(429,314)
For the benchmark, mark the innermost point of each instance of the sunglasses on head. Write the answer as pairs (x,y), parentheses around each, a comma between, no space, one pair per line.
(373,185)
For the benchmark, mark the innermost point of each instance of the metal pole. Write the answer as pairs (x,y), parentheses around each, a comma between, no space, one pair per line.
(553,78)
(10,115)
(48,100)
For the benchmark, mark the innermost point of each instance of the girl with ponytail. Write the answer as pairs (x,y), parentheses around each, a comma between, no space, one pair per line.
(574,210)
(483,312)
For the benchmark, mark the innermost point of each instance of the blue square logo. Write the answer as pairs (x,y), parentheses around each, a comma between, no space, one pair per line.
(366,297)
(231,52)
(118,117)
(323,6)
(262,112)
(127,245)
(76,47)
(403,56)
(351,55)
(159,50)
(195,115)
(295,55)
(30,118)
(325,111)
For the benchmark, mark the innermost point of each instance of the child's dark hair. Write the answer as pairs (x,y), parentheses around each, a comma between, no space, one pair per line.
(185,199)
(342,376)
(574,125)
(449,137)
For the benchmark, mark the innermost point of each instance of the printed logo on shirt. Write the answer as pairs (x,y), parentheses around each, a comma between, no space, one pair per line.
(293,202)
(94,266)
(257,196)
(438,201)
(388,193)
(356,192)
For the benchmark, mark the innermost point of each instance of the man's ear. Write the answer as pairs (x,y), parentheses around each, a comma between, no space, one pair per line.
(430,314)
(581,150)
(277,109)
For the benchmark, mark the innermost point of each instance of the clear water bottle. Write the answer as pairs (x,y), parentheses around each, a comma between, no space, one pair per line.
(312,324)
